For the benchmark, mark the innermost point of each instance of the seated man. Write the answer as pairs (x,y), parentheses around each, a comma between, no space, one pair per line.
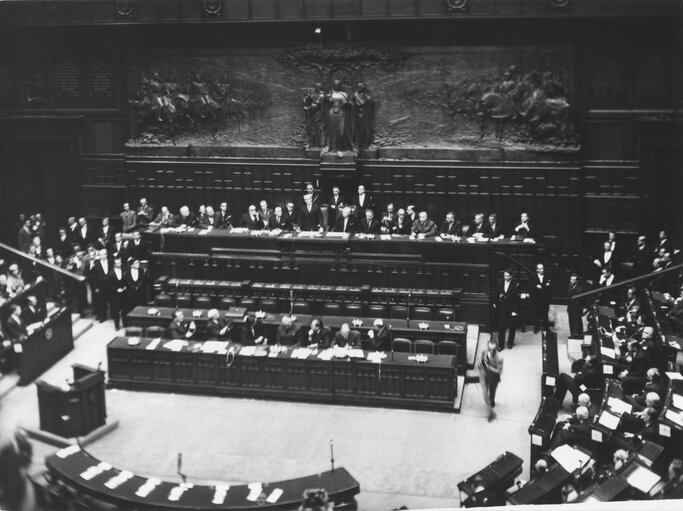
(403,224)
(185,219)
(224,218)
(451,227)
(215,328)
(589,376)
(287,332)
(380,336)
(346,337)
(575,430)
(388,219)
(253,331)
(280,221)
(345,221)
(265,211)
(423,227)
(209,220)
(643,422)
(145,213)
(15,328)
(495,227)
(523,229)
(33,313)
(585,400)
(250,220)
(179,328)
(165,218)
(633,376)
(478,227)
(15,281)
(318,335)
(369,224)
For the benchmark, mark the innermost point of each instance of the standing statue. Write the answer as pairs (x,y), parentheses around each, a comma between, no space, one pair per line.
(314,110)
(339,129)
(363,118)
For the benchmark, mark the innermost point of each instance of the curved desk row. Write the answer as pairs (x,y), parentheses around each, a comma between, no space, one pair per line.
(85,473)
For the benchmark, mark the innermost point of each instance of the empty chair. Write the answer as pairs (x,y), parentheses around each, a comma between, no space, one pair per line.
(331,309)
(301,308)
(377,311)
(422,313)
(444,314)
(424,346)
(447,348)
(154,332)
(268,305)
(183,301)
(226,302)
(354,310)
(401,345)
(163,300)
(398,312)
(249,304)
(133,331)
(202,302)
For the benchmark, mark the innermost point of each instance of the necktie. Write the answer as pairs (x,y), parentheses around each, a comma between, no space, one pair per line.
(346,220)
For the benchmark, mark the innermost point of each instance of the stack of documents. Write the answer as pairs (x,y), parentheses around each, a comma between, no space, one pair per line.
(570,458)
(301,353)
(175,345)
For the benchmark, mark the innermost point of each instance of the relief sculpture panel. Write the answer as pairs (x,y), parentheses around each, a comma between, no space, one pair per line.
(351,98)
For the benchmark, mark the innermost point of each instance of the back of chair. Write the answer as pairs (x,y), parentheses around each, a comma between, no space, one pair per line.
(331,309)
(163,300)
(225,303)
(402,345)
(377,311)
(133,331)
(424,346)
(155,331)
(268,305)
(203,302)
(398,312)
(447,348)
(422,314)
(184,301)
(444,314)
(301,308)
(353,309)
(249,303)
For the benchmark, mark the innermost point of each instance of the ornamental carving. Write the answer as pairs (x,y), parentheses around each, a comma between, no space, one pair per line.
(456,5)
(124,8)
(213,8)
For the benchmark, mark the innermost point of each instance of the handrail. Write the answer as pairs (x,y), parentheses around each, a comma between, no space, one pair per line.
(627,282)
(514,260)
(52,267)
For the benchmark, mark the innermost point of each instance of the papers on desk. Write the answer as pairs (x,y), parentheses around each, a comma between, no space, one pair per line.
(341,235)
(677,401)
(274,495)
(608,352)
(133,341)
(326,354)
(220,494)
(177,491)
(147,488)
(275,233)
(154,344)
(618,406)
(118,480)
(18,348)
(570,458)
(68,451)
(438,238)
(609,420)
(255,490)
(674,417)
(203,232)
(356,353)
(301,353)
(309,234)
(33,327)
(642,479)
(248,351)
(239,230)
(674,375)
(175,345)
(376,356)
(385,237)
(220,347)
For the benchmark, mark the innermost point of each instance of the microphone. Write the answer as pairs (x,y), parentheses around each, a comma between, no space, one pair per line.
(180,466)
(408,313)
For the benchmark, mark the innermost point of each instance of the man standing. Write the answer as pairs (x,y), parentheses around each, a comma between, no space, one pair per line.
(345,222)
(101,285)
(24,236)
(362,200)
(574,308)
(423,227)
(336,203)
(136,284)
(541,297)
(128,217)
(310,216)
(145,213)
(508,296)
(490,366)
(118,302)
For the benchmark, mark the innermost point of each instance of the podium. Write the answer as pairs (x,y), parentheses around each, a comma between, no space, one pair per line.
(74,410)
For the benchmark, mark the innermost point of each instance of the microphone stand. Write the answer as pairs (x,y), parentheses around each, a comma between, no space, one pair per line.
(291,302)
(408,313)
(180,466)
(332,454)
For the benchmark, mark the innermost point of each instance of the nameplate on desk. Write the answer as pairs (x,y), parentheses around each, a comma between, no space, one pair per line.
(147,487)
(220,494)
(68,451)
(665,430)
(596,435)
(154,344)
(118,480)
(274,495)
(607,352)
(608,369)
(536,439)
(255,490)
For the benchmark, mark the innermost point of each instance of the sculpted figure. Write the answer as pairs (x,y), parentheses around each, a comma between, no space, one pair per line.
(314,110)
(338,123)
(363,117)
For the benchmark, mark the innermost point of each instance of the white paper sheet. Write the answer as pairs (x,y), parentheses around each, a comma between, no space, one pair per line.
(609,420)
(274,495)
(643,479)
(618,406)
(607,352)
(68,451)
(674,417)
(570,458)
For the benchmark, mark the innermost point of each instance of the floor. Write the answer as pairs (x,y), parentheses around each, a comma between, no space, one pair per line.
(399,457)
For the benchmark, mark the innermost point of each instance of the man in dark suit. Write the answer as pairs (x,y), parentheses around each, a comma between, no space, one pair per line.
(310,217)
(576,430)
(136,284)
(186,218)
(100,285)
(137,249)
(606,258)
(25,236)
(145,213)
(224,218)
(64,248)
(318,335)
(423,227)
(388,219)
(287,332)
(478,227)
(209,220)
(450,227)
(540,293)
(310,190)
(403,224)
(106,235)
(346,337)
(362,200)
(250,220)
(118,294)
(15,328)
(265,212)
(33,312)
(165,218)
(215,328)
(574,308)
(524,229)
(380,336)
(72,230)
(179,328)
(119,248)
(506,305)
(280,221)
(642,257)
(84,233)
(335,205)
(495,228)
(345,222)
(369,224)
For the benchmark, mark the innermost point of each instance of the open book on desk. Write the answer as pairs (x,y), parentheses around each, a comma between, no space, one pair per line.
(571,458)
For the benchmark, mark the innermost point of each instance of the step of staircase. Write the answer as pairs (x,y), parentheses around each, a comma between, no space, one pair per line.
(80,325)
